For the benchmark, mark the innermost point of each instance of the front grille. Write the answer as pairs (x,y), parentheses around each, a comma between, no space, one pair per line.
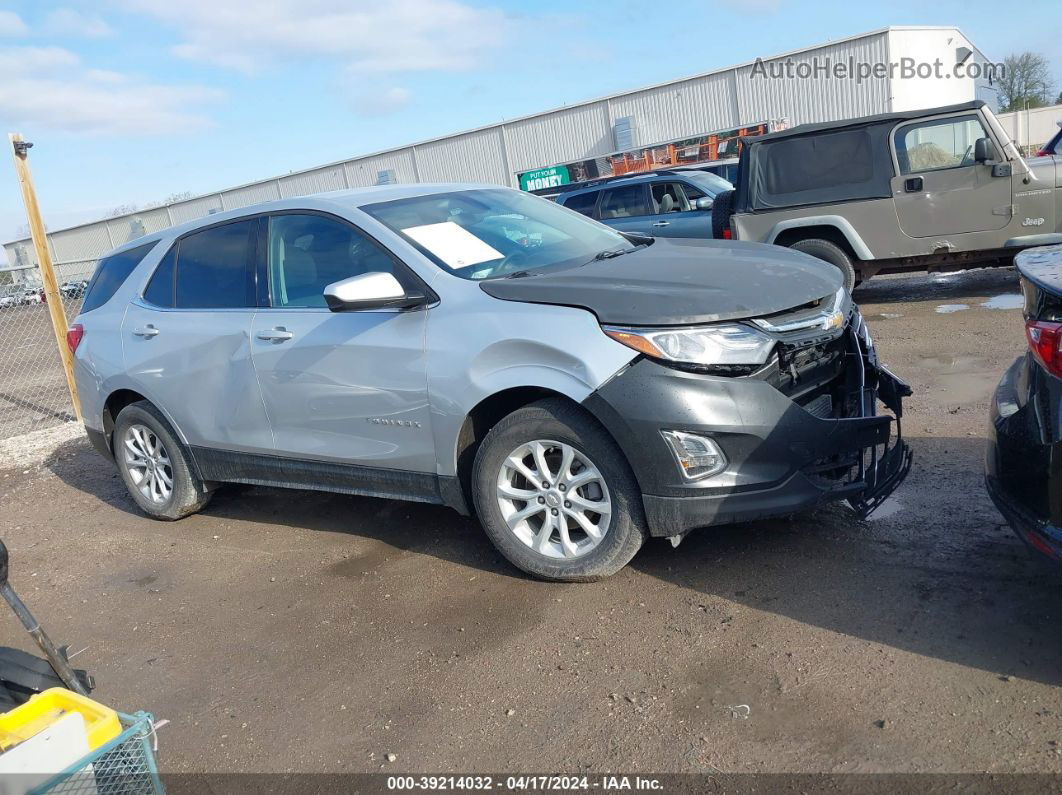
(808,374)
(821,407)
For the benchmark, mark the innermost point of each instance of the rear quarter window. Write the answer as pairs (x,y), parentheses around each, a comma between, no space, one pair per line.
(160,289)
(111,273)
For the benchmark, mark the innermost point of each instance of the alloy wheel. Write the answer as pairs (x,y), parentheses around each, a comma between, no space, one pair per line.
(148,463)
(554,499)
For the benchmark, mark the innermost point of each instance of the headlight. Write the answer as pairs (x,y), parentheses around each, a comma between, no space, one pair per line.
(706,345)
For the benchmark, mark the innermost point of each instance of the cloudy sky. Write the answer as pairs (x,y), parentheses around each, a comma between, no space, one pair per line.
(129,101)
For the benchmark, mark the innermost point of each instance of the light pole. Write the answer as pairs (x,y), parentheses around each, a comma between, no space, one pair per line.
(1025,99)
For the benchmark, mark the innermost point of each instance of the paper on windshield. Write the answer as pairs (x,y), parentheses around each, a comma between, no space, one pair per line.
(453,244)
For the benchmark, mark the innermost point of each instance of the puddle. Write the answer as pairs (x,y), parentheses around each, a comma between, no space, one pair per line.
(1005,301)
(947,309)
(884,316)
(886,509)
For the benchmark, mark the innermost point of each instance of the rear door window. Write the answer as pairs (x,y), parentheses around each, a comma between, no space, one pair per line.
(582,203)
(111,273)
(626,202)
(216,267)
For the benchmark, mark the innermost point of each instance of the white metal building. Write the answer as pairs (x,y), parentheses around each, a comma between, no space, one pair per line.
(724,99)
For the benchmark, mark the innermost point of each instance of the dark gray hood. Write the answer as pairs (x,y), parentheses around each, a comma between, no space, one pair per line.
(678,281)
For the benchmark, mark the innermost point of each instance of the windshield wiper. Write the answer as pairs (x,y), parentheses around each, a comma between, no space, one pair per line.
(516,275)
(610,253)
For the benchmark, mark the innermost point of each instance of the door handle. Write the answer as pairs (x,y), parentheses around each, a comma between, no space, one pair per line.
(913,185)
(147,331)
(278,334)
(662,223)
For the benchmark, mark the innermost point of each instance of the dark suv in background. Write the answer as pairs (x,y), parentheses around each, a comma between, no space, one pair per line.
(674,203)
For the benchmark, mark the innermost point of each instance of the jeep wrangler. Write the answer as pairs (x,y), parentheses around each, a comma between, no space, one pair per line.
(937,189)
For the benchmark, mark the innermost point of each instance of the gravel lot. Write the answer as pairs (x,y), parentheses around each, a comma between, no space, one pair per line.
(297,631)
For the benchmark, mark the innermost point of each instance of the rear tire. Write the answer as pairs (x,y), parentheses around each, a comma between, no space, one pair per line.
(831,253)
(154,464)
(531,518)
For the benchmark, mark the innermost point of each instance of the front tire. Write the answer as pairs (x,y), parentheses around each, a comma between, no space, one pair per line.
(154,465)
(556,496)
(831,253)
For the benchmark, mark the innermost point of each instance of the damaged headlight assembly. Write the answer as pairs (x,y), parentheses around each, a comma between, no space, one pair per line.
(723,345)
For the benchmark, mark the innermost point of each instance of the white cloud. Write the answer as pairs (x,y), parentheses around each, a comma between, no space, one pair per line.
(48,88)
(71,22)
(394,36)
(382,103)
(11,24)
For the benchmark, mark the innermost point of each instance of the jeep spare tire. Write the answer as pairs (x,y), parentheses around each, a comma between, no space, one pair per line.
(722,209)
(831,253)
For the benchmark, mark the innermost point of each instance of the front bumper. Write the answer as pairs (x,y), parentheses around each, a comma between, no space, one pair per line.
(1023,460)
(781,458)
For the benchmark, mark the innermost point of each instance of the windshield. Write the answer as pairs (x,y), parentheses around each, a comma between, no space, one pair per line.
(712,184)
(492,233)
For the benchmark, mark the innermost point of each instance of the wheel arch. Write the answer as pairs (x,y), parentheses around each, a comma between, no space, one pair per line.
(493,408)
(835,228)
(124,396)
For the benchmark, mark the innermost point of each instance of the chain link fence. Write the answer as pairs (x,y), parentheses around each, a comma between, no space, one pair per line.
(33,391)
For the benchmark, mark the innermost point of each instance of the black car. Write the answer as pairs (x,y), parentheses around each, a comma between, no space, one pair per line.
(1024,461)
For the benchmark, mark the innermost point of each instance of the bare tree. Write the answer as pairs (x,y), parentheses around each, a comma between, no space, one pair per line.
(1025,82)
(173,198)
(23,230)
(123,209)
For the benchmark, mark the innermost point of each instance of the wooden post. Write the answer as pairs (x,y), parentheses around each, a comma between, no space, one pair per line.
(44,260)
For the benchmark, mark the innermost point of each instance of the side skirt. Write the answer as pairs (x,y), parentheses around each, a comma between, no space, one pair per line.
(295,473)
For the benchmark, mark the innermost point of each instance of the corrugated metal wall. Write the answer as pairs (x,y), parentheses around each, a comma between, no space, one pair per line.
(817,99)
(477,156)
(566,134)
(718,101)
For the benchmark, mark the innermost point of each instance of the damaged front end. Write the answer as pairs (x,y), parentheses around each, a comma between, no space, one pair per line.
(800,429)
(841,378)
(884,459)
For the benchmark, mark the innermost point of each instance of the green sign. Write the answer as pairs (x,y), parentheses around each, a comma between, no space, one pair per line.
(551,177)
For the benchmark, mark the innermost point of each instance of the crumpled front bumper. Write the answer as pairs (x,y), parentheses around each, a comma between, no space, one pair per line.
(781,458)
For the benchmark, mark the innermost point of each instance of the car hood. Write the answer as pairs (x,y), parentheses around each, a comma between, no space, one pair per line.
(680,282)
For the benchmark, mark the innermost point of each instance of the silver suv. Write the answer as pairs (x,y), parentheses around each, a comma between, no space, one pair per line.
(473,346)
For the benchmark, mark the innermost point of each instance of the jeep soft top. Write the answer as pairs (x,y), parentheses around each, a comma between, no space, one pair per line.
(910,190)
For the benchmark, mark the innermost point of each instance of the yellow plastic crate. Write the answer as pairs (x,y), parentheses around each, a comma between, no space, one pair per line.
(21,723)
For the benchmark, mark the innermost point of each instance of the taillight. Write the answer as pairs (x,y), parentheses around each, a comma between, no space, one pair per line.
(74,335)
(1045,341)
(727,234)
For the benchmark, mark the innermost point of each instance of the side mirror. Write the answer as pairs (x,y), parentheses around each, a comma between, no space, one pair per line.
(703,203)
(984,150)
(376,290)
